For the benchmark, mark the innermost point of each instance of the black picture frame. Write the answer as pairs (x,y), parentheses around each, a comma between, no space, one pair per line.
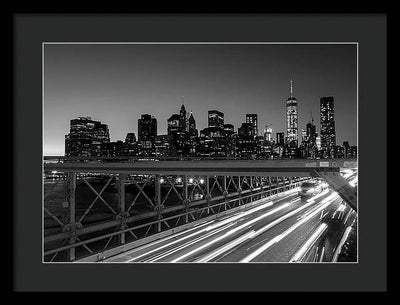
(30,30)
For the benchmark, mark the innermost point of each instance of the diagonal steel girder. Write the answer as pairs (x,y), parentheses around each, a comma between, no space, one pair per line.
(338,183)
(326,169)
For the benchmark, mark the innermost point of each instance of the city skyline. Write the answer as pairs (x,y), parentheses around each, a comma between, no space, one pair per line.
(63,96)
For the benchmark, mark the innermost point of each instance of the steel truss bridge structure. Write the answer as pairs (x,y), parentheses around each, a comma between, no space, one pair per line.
(174,195)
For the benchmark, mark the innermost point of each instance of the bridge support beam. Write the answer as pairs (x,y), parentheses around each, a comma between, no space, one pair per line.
(72,189)
(157,185)
(225,193)
(340,185)
(185,197)
(122,215)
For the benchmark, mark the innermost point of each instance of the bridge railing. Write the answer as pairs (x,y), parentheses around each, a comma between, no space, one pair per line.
(96,159)
(79,229)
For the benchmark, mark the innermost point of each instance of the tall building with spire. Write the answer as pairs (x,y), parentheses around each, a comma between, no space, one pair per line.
(193,134)
(182,131)
(192,125)
(183,120)
(291,119)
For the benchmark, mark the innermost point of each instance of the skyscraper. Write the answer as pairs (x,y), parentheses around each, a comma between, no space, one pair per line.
(311,131)
(192,126)
(215,119)
(280,138)
(173,129)
(130,147)
(252,119)
(85,137)
(318,143)
(130,138)
(291,119)
(193,134)
(268,133)
(229,137)
(182,131)
(147,130)
(328,134)
(246,139)
(183,121)
(346,147)
(311,143)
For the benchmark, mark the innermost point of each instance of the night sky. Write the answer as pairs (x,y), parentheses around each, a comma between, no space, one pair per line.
(115,84)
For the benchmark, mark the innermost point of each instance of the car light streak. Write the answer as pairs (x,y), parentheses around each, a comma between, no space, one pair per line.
(342,241)
(191,242)
(347,175)
(348,214)
(226,247)
(315,255)
(174,242)
(276,239)
(317,196)
(354,182)
(246,224)
(208,228)
(173,236)
(240,215)
(298,256)
(322,254)
(275,222)
(249,212)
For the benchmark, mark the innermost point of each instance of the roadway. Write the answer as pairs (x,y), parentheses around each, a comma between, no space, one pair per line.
(286,229)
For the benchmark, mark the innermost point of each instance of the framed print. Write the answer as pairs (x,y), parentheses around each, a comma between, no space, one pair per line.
(196,151)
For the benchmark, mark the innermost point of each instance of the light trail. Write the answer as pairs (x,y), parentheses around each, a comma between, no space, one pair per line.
(247,224)
(348,214)
(249,212)
(166,245)
(241,215)
(226,248)
(258,232)
(322,254)
(342,241)
(196,227)
(277,238)
(319,195)
(354,181)
(185,245)
(339,210)
(299,254)
(218,224)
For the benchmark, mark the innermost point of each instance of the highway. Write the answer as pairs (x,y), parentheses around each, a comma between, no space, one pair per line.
(286,229)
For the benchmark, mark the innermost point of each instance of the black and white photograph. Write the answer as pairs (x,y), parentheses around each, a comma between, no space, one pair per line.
(200,152)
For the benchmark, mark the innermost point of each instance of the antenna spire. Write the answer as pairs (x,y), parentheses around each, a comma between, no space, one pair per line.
(291,88)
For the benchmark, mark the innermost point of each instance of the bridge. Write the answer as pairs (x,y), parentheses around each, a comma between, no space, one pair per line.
(176,196)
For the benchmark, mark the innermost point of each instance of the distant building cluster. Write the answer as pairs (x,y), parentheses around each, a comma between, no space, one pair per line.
(88,138)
